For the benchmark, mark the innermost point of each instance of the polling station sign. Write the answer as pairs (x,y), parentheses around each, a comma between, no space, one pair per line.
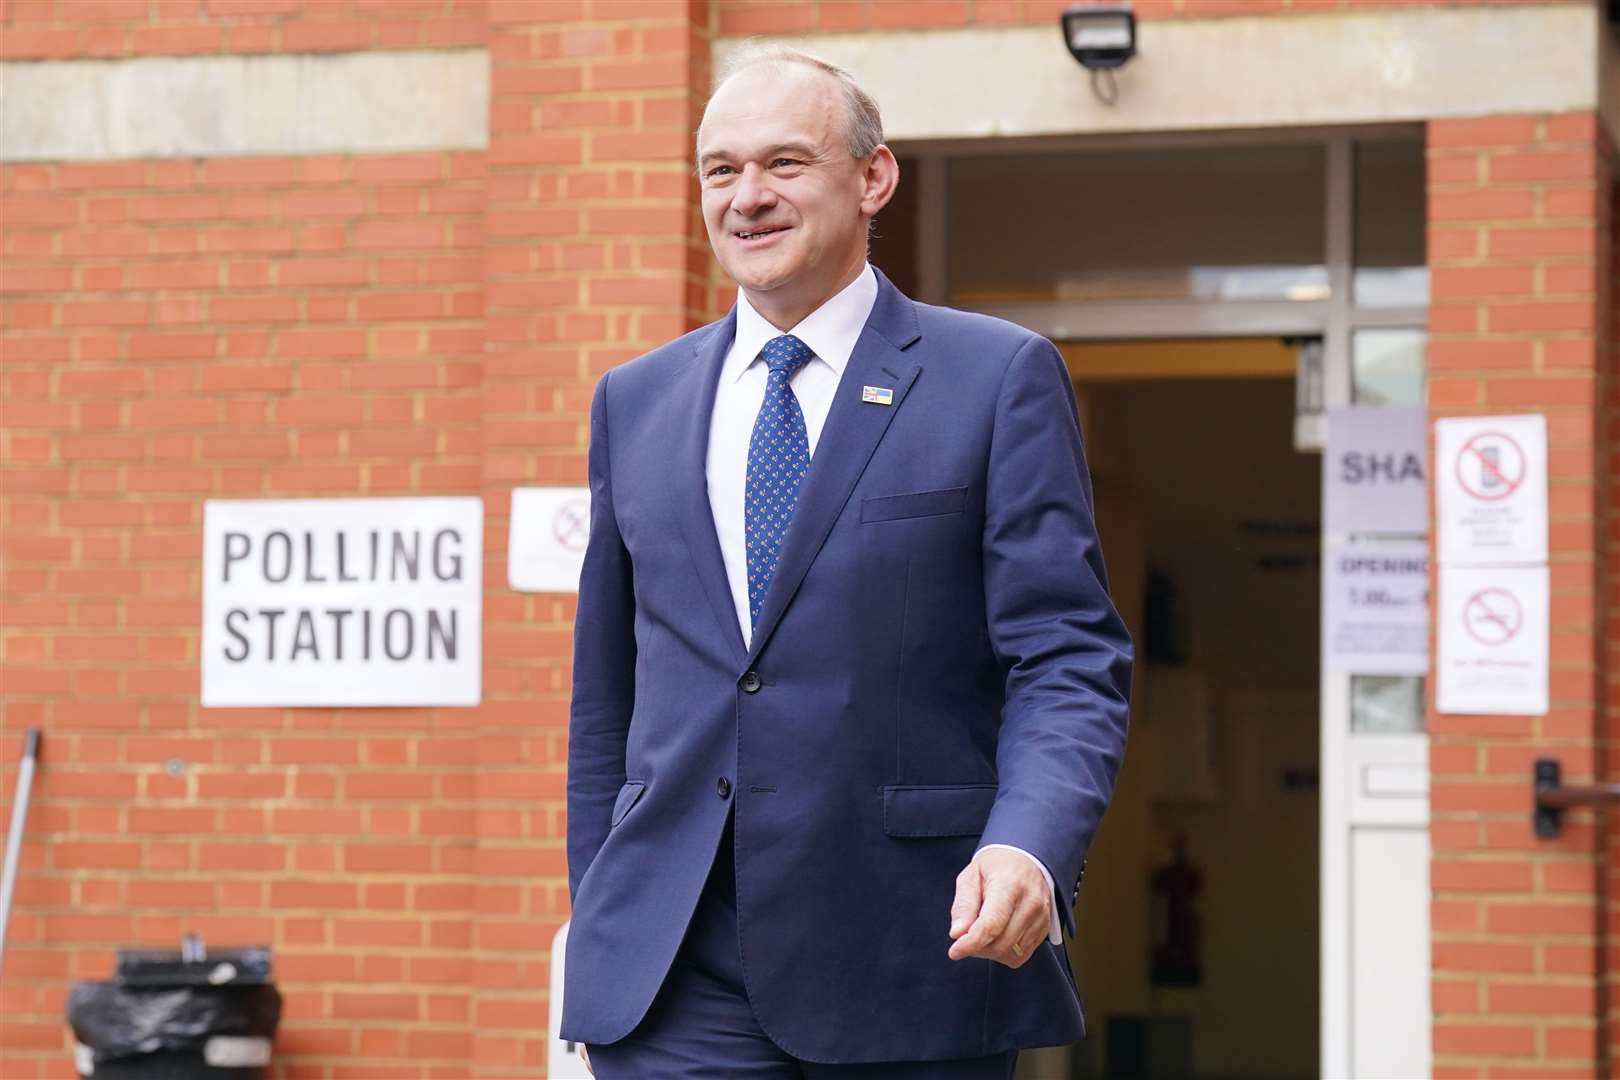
(1375,471)
(1491,490)
(342,601)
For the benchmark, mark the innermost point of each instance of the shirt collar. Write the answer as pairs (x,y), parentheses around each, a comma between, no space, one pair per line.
(831,330)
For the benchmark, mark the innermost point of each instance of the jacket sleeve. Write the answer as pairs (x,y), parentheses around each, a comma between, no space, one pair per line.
(604,663)
(1063,648)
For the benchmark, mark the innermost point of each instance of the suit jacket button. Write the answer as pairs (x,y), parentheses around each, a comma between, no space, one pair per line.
(722,787)
(751,682)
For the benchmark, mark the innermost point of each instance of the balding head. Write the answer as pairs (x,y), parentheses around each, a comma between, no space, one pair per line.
(861,122)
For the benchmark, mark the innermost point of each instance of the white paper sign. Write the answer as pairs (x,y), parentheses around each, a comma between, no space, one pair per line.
(1376,609)
(1375,471)
(342,601)
(546,548)
(1493,640)
(1491,490)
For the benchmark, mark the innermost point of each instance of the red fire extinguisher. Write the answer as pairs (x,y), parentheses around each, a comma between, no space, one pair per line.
(1176,928)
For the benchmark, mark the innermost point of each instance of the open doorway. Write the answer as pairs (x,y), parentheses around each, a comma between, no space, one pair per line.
(1199,949)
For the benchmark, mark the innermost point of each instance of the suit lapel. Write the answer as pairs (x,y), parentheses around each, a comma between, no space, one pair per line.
(851,434)
(693,402)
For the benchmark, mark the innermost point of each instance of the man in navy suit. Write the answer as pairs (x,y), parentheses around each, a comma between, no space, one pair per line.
(849,691)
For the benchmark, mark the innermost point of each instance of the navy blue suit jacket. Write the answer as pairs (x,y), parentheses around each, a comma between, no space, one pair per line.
(937,666)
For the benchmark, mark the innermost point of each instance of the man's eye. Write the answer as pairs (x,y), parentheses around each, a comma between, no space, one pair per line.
(718,170)
(785,161)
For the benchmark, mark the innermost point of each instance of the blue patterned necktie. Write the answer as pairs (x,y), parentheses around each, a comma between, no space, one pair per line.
(778,455)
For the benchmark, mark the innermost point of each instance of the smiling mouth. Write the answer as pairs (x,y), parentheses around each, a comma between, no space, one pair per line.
(756,233)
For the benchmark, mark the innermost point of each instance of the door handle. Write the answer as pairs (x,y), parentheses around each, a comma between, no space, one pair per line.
(1553,797)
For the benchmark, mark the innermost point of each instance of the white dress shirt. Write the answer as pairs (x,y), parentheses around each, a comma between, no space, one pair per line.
(831,332)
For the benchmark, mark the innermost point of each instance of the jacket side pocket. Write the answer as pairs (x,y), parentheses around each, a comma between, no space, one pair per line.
(937,809)
(627,798)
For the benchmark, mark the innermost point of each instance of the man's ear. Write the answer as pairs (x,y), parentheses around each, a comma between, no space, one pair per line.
(879,178)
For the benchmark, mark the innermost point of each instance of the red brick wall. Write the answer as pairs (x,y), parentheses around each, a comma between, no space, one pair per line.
(1607,595)
(1518,221)
(838,16)
(176,330)
(76,29)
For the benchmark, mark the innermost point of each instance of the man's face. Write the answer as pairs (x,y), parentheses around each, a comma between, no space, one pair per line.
(782,198)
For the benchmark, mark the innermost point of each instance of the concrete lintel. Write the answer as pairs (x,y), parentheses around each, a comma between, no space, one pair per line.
(1340,68)
(229,106)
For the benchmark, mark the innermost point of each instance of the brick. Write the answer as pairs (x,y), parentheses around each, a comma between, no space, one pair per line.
(317,203)
(764,17)
(387,858)
(1481,354)
(1456,282)
(176,40)
(1543,999)
(1540,391)
(1542,166)
(534,149)
(1541,242)
(1452,875)
(253,309)
(1485,131)
(1553,315)
(52,44)
(638,74)
(914,14)
(398,168)
(1485,204)
(1574,917)
(324,271)
(325,35)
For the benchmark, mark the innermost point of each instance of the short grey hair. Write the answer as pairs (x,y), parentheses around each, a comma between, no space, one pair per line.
(863,126)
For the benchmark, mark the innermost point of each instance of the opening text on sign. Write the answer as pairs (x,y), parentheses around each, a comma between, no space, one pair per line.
(301,632)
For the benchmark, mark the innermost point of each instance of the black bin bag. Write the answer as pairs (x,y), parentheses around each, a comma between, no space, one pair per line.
(190,1015)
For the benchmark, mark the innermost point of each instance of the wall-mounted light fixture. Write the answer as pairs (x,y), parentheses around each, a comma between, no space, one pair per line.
(1100,39)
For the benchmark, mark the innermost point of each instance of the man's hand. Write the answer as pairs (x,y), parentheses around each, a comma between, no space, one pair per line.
(587,1059)
(1002,909)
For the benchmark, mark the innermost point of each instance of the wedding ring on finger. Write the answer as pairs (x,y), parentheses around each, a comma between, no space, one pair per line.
(1018,950)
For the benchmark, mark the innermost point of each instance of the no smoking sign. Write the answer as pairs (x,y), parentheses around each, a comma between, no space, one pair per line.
(1493,616)
(571,524)
(546,549)
(1492,647)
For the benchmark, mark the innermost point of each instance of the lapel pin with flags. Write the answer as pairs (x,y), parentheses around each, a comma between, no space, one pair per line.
(877,395)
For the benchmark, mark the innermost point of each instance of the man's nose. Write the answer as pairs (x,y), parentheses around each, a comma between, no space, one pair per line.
(753,192)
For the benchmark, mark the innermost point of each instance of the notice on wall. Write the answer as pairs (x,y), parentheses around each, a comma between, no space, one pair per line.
(1491,490)
(1375,471)
(1376,609)
(342,601)
(1493,640)
(546,548)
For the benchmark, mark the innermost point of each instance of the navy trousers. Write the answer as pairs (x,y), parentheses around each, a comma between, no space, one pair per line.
(701,1025)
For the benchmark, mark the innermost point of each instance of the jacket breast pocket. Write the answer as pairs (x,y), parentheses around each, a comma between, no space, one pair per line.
(914,504)
(937,809)
(627,798)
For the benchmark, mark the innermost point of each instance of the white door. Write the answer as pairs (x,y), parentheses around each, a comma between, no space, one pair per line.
(1375,880)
